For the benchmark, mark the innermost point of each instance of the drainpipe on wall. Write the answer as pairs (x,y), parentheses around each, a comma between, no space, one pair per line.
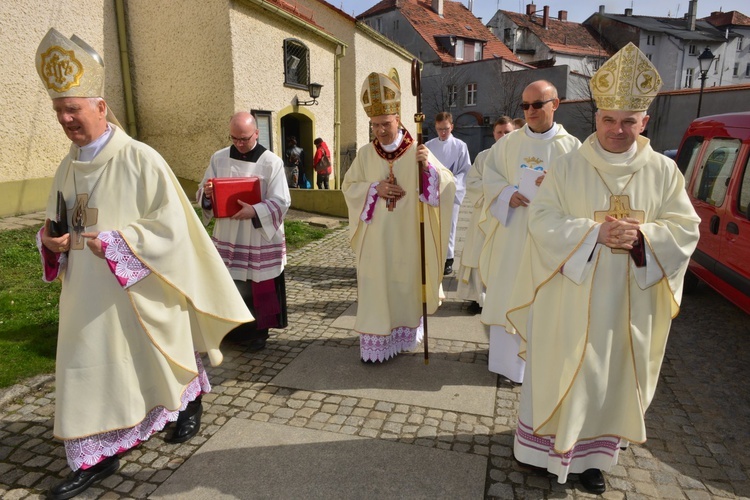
(340,52)
(122,38)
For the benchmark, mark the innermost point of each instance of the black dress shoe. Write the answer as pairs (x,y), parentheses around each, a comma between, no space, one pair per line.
(448,267)
(474,308)
(79,481)
(256,345)
(592,481)
(188,423)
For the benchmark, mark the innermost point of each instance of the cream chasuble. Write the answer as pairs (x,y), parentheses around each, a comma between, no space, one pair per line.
(387,248)
(599,340)
(503,244)
(474,238)
(130,350)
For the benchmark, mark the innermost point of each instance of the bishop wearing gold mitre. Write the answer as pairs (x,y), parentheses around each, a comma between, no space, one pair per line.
(611,232)
(382,195)
(143,287)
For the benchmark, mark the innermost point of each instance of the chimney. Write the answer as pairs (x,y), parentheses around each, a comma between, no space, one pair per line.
(562,15)
(545,19)
(691,15)
(628,12)
(437,7)
(601,9)
(530,9)
(471,6)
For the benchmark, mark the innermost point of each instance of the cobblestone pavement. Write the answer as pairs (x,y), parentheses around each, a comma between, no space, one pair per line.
(697,426)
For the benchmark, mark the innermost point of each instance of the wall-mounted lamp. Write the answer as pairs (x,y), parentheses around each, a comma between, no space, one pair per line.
(314,89)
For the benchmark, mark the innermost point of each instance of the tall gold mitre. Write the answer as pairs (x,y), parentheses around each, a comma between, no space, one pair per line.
(381,95)
(626,82)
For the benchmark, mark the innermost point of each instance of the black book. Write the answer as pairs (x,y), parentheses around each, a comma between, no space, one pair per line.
(59,227)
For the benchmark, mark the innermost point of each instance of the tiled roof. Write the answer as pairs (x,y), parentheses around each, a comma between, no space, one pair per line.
(304,13)
(731,18)
(564,37)
(457,21)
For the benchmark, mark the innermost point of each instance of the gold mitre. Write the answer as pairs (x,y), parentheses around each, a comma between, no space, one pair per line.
(381,95)
(626,82)
(68,67)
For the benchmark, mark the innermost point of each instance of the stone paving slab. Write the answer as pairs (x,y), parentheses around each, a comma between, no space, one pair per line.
(448,322)
(247,459)
(405,379)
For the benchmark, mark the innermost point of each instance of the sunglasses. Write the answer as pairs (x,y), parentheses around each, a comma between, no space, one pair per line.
(536,105)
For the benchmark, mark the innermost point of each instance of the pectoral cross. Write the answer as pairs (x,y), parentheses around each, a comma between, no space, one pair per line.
(619,207)
(391,202)
(82,216)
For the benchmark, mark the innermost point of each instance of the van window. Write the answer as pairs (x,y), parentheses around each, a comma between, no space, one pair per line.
(745,191)
(688,154)
(713,178)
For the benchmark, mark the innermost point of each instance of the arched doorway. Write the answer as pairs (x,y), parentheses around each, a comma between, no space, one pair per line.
(299,126)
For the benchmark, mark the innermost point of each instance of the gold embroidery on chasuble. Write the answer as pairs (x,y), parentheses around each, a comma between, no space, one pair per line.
(82,216)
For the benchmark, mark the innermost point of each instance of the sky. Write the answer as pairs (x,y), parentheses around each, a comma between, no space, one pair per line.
(579,10)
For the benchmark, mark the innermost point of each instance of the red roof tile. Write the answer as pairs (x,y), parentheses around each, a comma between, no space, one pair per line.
(457,21)
(565,37)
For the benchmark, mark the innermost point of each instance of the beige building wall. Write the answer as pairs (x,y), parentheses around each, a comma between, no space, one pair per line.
(30,137)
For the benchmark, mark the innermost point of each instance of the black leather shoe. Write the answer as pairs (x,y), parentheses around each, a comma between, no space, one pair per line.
(79,481)
(448,267)
(256,345)
(592,481)
(188,423)
(474,308)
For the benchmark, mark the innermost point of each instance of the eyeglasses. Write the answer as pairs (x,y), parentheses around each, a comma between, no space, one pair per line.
(446,129)
(240,139)
(536,105)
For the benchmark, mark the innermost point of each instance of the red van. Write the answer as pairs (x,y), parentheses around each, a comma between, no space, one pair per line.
(714,157)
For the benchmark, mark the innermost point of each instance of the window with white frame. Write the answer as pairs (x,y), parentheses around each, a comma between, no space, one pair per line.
(739,42)
(688,78)
(459,50)
(263,121)
(651,40)
(477,50)
(649,56)
(747,70)
(692,50)
(471,94)
(736,69)
(716,64)
(452,95)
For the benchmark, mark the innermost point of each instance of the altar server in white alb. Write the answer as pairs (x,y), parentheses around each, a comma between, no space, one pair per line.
(252,241)
(610,235)
(382,194)
(513,170)
(454,155)
(470,286)
(143,287)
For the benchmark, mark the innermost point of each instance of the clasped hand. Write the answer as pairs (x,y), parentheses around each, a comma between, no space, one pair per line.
(619,233)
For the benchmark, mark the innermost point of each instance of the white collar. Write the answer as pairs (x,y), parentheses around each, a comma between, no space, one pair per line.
(544,135)
(623,158)
(390,148)
(90,150)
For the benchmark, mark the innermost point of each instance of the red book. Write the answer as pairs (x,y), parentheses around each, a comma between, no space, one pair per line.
(227,190)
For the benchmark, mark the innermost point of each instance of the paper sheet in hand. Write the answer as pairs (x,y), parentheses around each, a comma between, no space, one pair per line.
(527,185)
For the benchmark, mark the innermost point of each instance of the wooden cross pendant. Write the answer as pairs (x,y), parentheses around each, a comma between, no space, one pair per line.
(619,207)
(82,216)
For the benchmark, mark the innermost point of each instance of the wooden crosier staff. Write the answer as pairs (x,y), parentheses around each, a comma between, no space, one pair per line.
(416,90)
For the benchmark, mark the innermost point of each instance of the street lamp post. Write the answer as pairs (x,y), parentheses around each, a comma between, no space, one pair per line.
(704,61)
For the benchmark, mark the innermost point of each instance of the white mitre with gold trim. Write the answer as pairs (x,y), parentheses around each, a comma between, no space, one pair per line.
(381,95)
(68,67)
(627,81)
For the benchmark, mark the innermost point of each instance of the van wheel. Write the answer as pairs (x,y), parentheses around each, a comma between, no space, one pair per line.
(690,283)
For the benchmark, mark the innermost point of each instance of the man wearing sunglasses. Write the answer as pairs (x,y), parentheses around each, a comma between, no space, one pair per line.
(526,154)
